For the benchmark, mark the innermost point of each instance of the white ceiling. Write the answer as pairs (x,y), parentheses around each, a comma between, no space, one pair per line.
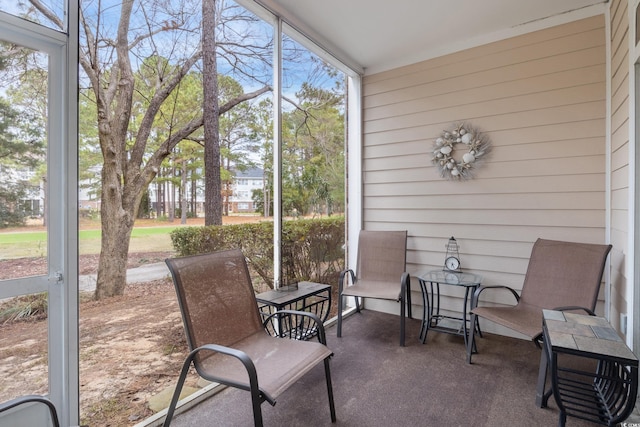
(382,34)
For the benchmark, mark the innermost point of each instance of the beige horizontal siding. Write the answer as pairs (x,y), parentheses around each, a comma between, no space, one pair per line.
(540,99)
(492,48)
(564,80)
(456,86)
(619,158)
(565,201)
(620,179)
(532,186)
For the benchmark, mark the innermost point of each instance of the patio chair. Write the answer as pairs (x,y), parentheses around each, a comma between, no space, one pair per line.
(380,273)
(561,276)
(9,405)
(226,336)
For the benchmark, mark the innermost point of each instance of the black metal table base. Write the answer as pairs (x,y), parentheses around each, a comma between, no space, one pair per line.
(433,320)
(600,383)
(308,296)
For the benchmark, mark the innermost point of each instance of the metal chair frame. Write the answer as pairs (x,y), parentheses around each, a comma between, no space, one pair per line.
(33,398)
(258,393)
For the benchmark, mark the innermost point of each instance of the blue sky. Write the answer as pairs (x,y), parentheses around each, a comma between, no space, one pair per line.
(17,7)
(294,72)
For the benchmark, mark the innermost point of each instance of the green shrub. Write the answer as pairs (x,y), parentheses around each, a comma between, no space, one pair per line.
(312,249)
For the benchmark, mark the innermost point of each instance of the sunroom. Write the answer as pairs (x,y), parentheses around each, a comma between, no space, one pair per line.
(551,85)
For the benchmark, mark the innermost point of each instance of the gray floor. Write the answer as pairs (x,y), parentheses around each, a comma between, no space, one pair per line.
(378,383)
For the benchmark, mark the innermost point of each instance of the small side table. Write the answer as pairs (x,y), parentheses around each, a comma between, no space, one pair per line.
(430,282)
(604,395)
(308,296)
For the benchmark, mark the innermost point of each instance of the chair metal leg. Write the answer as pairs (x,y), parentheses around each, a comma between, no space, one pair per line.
(562,420)
(256,396)
(341,285)
(402,320)
(176,393)
(471,342)
(405,304)
(327,372)
(340,308)
(409,296)
(256,403)
(541,396)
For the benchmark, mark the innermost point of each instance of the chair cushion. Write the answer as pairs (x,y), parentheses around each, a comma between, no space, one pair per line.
(523,318)
(375,289)
(279,362)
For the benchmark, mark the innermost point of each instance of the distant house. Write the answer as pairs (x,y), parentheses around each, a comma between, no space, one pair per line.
(32,191)
(88,191)
(241,199)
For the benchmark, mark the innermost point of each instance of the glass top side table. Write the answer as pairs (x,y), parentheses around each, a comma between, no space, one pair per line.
(430,282)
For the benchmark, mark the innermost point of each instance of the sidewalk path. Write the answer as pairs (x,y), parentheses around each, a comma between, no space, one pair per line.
(144,273)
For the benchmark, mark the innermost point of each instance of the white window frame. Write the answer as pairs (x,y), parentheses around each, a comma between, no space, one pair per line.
(61,280)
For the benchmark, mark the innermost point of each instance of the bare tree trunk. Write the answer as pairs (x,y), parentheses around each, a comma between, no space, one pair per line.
(226,206)
(194,196)
(172,195)
(112,266)
(265,198)
(118,215)
(225,198)
(165,201)
(45,202)
(183,193)
(211,111)
(158,192)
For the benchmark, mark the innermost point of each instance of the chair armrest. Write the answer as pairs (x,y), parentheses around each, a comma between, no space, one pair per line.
(405,280)
(576,307)
(32,398)
(232,352)
(476,294)
(341,281)
(295,324)
(238,354)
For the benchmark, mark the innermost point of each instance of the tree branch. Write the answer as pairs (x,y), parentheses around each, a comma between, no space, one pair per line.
(244,97)
(137,152)
(48,13)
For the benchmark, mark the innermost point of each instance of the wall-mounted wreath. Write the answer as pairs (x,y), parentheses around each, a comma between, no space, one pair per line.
(477,146)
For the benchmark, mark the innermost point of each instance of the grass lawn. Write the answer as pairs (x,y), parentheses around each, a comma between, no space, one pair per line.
(148,235)
(34,243)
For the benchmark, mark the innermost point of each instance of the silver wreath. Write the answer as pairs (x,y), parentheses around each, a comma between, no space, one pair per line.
(476,144)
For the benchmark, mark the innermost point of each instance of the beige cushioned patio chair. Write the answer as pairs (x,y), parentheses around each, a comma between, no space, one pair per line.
(560,276)
(380,273)
(227,337)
